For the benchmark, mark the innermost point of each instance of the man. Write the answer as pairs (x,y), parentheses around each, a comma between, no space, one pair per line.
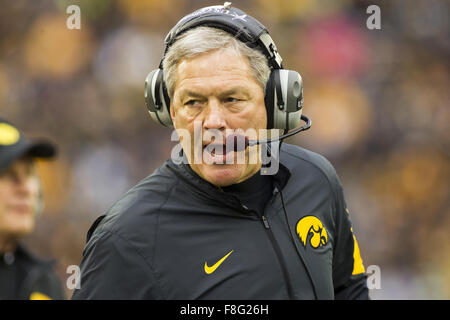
(217,228)
(22,275)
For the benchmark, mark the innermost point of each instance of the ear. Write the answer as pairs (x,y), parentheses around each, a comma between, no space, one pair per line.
(172,114)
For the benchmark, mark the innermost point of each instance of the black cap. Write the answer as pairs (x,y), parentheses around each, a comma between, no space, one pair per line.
(14,145)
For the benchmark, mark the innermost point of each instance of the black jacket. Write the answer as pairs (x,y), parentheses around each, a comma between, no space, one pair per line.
(176,236)
(24,276)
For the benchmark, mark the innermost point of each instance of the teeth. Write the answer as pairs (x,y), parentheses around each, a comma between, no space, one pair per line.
(216,149)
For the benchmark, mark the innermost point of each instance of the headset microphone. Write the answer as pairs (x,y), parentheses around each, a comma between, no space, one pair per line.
(235,138)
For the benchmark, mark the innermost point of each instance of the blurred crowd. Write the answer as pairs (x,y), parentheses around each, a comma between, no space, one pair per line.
(378,99)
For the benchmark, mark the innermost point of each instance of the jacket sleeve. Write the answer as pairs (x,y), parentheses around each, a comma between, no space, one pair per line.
(349,278)
(112,269)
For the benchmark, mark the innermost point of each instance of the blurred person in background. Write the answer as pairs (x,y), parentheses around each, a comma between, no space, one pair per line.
(22,275)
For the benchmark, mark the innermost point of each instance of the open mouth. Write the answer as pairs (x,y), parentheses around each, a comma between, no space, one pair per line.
(216,149)
(235,143)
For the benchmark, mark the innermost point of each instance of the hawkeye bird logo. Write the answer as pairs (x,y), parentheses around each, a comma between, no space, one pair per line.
(312,228)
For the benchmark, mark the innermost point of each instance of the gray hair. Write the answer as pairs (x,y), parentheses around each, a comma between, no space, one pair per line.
(205,39)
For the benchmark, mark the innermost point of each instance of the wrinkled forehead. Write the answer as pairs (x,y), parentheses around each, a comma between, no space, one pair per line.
(229,55)
(224,69)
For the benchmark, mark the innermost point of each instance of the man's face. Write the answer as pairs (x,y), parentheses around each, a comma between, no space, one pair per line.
(19,189)
(216,91)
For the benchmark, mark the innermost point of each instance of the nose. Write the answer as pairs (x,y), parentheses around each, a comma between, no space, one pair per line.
(23,179)
(215,116)
(24,185)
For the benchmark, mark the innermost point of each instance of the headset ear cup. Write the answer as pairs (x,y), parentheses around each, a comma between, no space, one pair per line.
(285,98)
(149,93)
(294,98)
(157,99)
(269,100)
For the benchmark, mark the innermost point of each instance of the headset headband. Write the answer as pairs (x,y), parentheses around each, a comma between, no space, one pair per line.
(234,21)
(284,88)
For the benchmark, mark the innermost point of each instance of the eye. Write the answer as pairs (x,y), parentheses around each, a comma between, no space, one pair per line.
(192,102)
(232,100)
(9,175)
(6,174)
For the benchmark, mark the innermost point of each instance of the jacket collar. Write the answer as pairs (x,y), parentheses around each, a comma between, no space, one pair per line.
(22,253)
(206,189)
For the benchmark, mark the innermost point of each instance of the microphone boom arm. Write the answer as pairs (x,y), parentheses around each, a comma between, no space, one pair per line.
(284,136)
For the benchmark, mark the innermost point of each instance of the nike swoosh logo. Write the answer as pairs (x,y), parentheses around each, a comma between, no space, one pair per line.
(213,268)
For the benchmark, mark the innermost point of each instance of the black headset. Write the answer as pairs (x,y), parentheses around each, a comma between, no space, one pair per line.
(284,89)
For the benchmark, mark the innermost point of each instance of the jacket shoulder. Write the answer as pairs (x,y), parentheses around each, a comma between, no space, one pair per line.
(297,158)
(137,211)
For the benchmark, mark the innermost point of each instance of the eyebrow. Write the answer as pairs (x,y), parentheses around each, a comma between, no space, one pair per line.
(234,91)
(184,93)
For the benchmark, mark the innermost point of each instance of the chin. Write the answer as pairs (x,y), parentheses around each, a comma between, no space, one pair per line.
(222,175)
(20,225)
(24,228)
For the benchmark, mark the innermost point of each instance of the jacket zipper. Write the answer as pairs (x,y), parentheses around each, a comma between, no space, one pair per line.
(277,250)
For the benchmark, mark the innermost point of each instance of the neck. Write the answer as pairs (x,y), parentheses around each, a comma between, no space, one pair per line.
(7,243)
(251,184)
